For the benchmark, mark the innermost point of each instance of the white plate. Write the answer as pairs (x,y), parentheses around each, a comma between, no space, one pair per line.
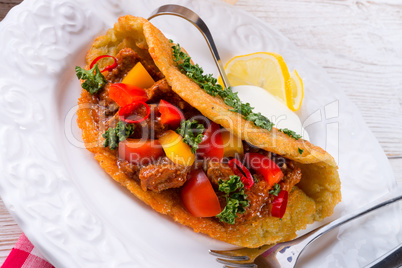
(78,216)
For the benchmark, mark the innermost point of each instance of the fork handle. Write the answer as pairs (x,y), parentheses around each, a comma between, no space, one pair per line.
(306,239)
(391,259)
(191,16)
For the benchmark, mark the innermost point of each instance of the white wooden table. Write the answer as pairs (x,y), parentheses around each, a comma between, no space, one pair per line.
(359,43)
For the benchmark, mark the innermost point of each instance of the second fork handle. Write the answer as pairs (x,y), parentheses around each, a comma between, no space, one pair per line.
(313,235)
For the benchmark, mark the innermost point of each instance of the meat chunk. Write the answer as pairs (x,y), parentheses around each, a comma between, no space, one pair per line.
(259,197)
(130,169)
(126,59)
(112,121)
(110,107)
(158,90)
(151,127)
(218,171)
(162,90)
(163,175)
(291,175)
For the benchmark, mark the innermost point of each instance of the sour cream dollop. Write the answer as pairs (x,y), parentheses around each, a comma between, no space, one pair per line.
(269,106)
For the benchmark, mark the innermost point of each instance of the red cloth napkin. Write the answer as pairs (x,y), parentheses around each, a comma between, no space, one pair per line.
(24,255)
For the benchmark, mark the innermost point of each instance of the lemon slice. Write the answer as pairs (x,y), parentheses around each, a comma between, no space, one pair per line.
(263,69)
(294,103)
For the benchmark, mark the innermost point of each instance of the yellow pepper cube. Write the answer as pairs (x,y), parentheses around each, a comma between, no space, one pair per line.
(232,144)
(138,76)
(176,149)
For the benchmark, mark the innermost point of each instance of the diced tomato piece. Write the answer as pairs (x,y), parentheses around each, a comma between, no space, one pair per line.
(140,151)
(211,146)
(199,197)
(265,167)
(279,204)
(124,94)
(170,114)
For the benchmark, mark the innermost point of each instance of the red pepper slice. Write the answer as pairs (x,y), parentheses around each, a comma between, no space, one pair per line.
(124,94)
(211,146)
(170,114)
(128,110)
(242,172)
(264,166)
(279,204)
(107,68)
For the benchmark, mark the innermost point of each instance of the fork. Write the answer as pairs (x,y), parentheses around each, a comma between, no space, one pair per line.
(286,254)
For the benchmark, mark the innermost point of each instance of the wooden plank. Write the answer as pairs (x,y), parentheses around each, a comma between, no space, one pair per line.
(359,43)
(6,5)
(9,232)
(232,2)
(396,164)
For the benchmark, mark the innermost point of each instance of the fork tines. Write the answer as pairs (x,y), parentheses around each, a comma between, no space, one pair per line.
(231,264)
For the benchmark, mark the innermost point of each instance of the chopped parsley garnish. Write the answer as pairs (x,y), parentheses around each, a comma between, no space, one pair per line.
(260,121)
(195,72)
(291,133)
(300,150)
(231,185)
(94,79)
(115,135)
(210,85)
(275,191)
(191,131)
(236,201)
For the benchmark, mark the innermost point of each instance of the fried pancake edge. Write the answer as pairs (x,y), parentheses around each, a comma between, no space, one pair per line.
(315,197)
